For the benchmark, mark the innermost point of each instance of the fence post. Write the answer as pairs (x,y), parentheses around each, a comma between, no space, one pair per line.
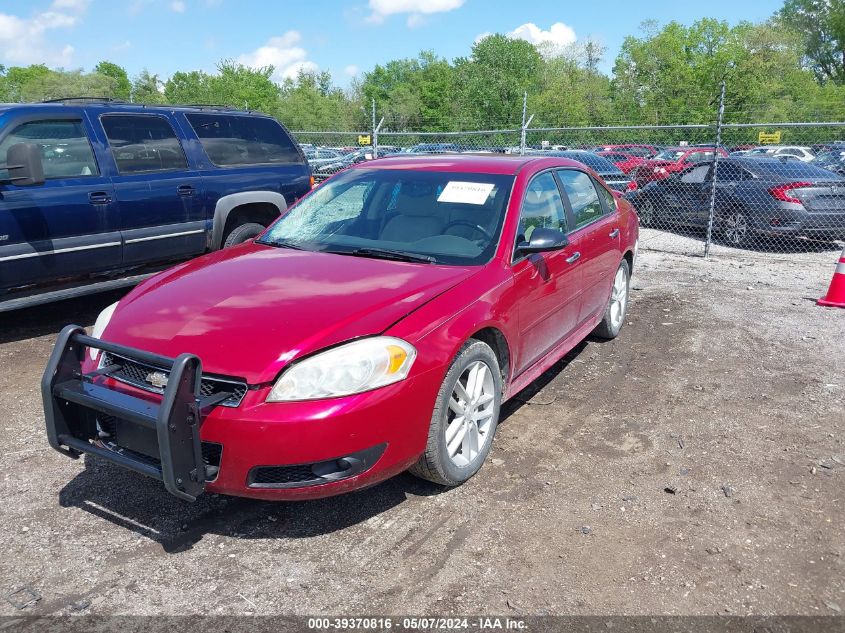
(522,133)
(715,165)
(374,129)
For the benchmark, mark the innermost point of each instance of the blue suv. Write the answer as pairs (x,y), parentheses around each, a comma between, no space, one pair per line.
(96,195)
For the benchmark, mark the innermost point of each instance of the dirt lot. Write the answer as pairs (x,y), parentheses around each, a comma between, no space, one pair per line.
(695,465)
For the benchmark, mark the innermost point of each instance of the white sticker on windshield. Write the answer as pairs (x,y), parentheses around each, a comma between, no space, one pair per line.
(465,192)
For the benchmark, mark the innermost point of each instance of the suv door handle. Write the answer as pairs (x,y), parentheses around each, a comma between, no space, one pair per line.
(99,197)
(185,190)
(574,257)
(614,233)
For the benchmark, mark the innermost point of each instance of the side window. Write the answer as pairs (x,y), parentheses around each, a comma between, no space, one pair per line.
(143,143)
(231,140)
(65,150)
(608,197)
(696,175)
(542,207)
(726,172)
(582,195)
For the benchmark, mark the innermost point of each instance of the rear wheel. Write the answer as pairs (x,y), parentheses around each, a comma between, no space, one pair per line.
(647,213)
(464,419)
(735,229)
(617,306)
(242,233)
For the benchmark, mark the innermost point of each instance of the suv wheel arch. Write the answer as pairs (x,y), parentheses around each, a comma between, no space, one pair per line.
(249,202)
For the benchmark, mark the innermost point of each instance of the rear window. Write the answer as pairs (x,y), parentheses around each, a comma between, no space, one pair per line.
(787,169)
(231,140)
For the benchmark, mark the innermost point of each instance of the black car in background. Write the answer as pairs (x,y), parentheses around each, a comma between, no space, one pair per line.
(832,161)
(614,177)
(754,197)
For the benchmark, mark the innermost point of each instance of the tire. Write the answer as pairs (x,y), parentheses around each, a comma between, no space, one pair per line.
(242,233)
(451,466)
(647,213)
(735,229)
(617,304)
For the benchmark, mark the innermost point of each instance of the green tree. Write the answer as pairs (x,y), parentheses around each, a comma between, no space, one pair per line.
(122,85)
(491,82)
(145,88)
(821,24)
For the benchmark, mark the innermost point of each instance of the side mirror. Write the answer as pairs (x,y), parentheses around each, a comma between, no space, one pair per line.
(542,241)
(23,162)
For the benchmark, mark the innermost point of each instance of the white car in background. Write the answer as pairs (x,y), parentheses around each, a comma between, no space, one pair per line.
(796,151)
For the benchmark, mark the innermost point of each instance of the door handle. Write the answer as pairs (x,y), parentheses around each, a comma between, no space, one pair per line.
(185,190)
(99,197)
(574,257)
(614,233)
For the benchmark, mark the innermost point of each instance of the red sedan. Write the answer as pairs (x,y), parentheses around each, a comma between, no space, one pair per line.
(625,162)
(376,327)
(672,160)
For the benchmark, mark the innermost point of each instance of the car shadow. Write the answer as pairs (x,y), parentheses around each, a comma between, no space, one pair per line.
(141,505)
(50,318)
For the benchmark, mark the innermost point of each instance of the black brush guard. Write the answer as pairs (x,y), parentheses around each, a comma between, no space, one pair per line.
(73,401)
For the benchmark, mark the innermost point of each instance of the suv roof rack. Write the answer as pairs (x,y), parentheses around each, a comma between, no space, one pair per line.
(212,106)
(83,98)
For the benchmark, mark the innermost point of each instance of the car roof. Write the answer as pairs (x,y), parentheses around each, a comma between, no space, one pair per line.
(117,106)
(470,163)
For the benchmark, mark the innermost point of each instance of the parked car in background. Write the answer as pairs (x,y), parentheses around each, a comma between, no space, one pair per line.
(377,326)
(433,148)
(613,177)
(329,168)
(670,161)
(754,197)
(644,151)
(795,151)
(830,146)
(832,161)
(625,162)
(95,193)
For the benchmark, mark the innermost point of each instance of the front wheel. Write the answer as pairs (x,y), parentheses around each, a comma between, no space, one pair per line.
(242,233)
(647,213)
(617,306)
(464,419)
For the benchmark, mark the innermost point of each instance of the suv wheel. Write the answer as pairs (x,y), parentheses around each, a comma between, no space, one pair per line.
(242,233)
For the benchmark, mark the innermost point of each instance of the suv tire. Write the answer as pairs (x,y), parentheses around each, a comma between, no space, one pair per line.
(242,233)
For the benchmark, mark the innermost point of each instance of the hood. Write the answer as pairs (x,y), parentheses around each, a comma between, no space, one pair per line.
(248,311)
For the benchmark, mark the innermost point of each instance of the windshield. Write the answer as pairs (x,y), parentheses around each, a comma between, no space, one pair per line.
(830,158)
(669,154)
(448,217)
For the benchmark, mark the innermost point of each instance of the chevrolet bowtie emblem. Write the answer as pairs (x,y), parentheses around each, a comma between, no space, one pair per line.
(156,379)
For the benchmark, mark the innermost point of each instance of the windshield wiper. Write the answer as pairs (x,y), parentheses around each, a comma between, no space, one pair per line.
(282,244)
(384,253)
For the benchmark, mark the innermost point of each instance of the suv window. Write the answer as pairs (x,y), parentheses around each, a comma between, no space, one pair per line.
(586,206)
(65,150)
(143,143)
(542,207)
(231,140)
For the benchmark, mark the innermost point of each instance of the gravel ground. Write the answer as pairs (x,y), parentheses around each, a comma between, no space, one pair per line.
(692,466)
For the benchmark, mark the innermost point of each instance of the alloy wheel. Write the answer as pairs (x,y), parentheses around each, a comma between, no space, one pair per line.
(618,298)
(470,416)
(736,228)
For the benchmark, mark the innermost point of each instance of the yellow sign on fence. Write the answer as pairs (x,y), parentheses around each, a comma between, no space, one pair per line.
(768,138)
(364,139)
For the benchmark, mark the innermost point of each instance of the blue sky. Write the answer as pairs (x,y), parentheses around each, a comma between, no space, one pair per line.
(345,37)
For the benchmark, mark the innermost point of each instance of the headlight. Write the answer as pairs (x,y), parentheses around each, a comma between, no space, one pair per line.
(100,325)
(351,368)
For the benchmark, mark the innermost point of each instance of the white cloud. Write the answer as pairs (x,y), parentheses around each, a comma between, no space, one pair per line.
(416,8)
(481,36)
(30,41)
(283,54)
(558,35)
(177,6)
(351,70)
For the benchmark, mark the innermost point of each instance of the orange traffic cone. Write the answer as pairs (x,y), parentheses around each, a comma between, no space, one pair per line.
(836,293)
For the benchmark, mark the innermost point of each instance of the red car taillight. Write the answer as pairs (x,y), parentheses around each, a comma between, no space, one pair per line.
(631,186)
(782,192)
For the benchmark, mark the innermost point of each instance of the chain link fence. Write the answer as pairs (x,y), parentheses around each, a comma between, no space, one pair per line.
(726,189)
